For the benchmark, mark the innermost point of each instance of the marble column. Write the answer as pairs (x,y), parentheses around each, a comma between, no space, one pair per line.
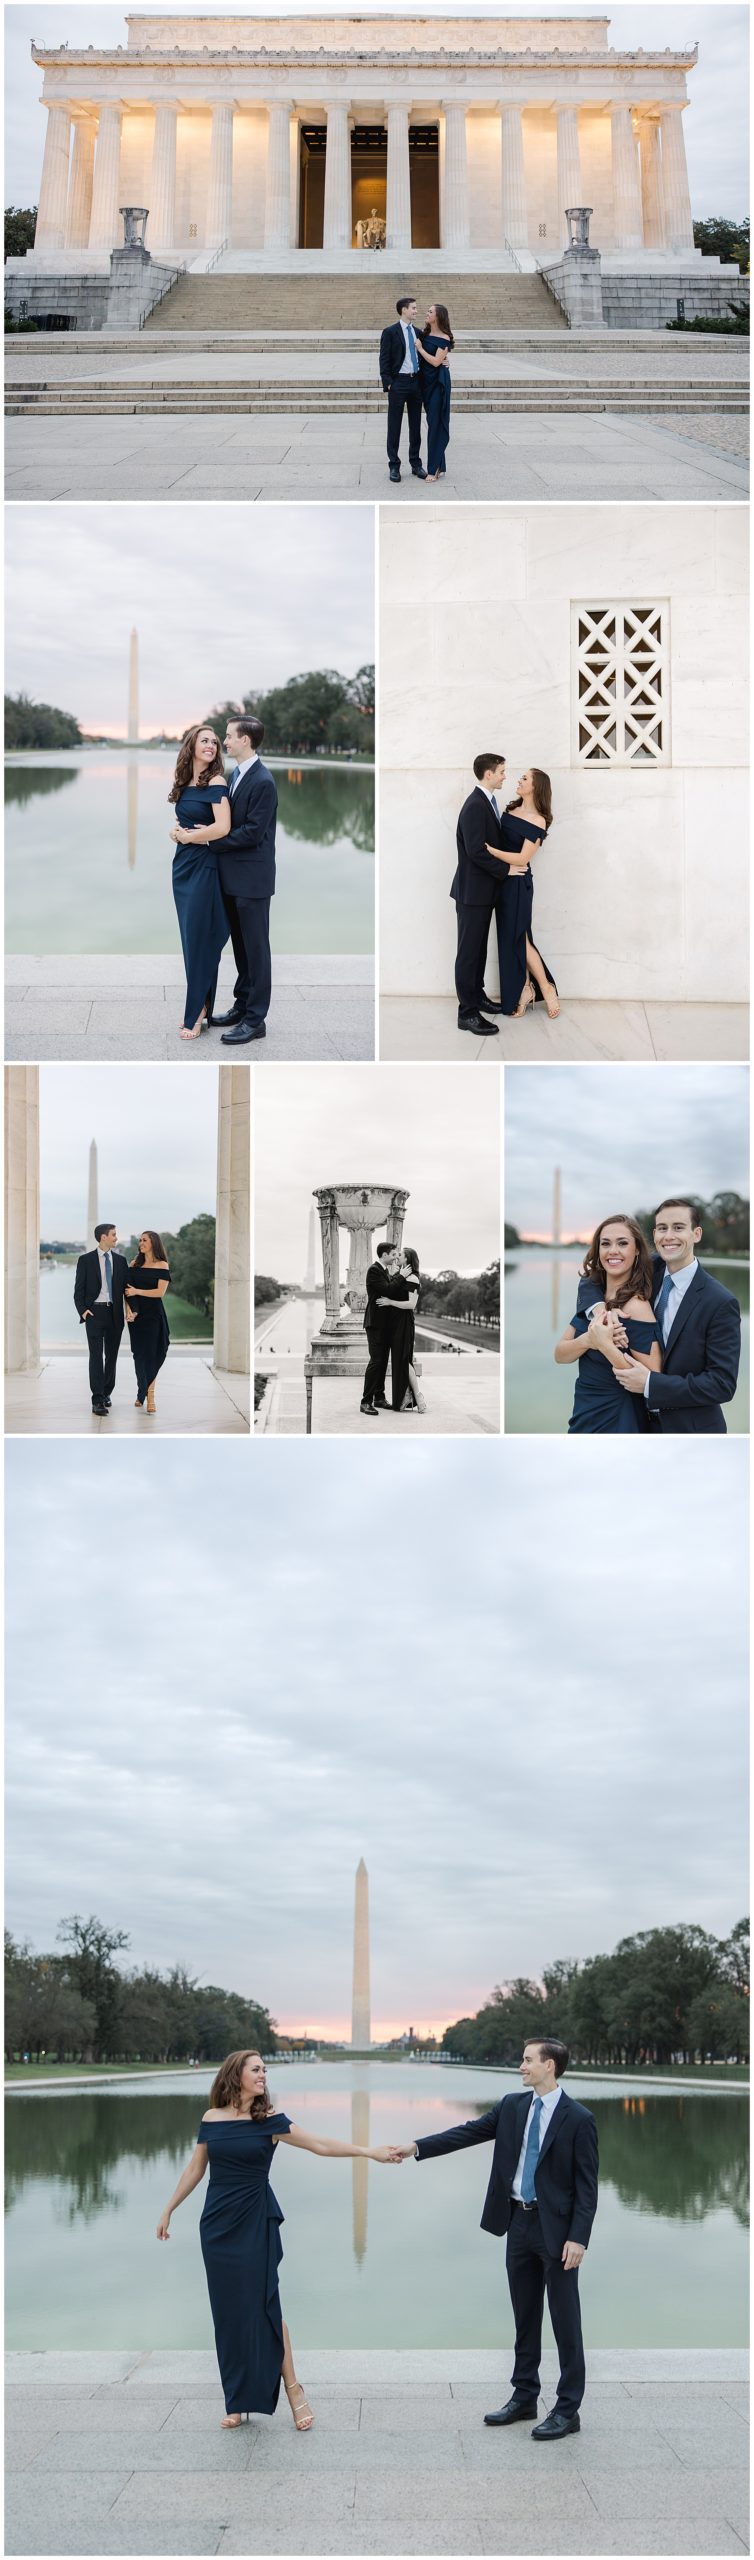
(104,228)
(220,184)
(277,202)
(161,229)
(398,178)
(232,1253)
(650,161)
(628,231)
(455,207)
(80,183)
(21,1219)
(679,228)
(515,223)
(330,1226)
(53,190)
(337,232)
(570,181)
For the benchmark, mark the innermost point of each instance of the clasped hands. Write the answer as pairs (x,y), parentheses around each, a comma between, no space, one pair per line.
(605,1322)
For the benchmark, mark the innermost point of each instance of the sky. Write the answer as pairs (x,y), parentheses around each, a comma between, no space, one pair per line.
(622,1137)
(156,1144)
(431,1131)
(289,1660)
(714,123)
(218,614)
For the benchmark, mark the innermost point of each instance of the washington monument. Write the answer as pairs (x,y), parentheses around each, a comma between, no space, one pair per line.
(361,2021)
(92,1211)
(133,691)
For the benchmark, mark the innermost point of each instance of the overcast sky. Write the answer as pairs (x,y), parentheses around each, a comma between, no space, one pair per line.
(219,611)
(714,123)
(622,1136)
(298,1656)
(431,1131)
(156,1143)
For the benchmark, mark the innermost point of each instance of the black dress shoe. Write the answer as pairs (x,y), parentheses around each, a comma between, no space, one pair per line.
(395,475)
(509,2415)
(556,2425)
(222,1021)
(243,1031)
(382,1404)
(417,471)
(99,1407)
(368,1408)
(487,1004)
(475,1022)
(108,1401)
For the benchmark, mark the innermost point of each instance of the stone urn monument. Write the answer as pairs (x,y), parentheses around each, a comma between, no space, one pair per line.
(339,1350)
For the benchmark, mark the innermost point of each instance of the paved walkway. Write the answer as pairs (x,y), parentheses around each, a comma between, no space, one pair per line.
(605,457)
(463,1397)
(426,1027)
(191,1396)
(92,1006)
(124,2453)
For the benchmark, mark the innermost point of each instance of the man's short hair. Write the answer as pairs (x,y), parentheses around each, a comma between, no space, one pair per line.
(382,1249)
(405,303)
(681,1203)
(485,764)
(248,727)
(552,2050)
(107,1230)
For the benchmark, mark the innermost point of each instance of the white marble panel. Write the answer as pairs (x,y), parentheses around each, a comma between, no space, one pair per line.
(732,551)
(417,861)
(708,637)
(716,888)
(623,551)
(452,555)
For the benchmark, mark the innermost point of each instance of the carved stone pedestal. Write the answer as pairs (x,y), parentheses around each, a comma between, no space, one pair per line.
(339,1350)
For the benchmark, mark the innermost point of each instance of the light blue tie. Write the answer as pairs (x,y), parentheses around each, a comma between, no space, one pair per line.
(661,1307)
(234,778)
(531,2155)
(412,348)
(109,1275)
(493,797)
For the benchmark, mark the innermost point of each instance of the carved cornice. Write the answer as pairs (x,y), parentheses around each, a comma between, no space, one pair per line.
(238,57)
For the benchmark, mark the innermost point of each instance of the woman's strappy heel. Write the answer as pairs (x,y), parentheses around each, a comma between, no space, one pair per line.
(302,2415)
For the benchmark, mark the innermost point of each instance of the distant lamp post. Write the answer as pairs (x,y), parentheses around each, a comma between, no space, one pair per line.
(134,218)
(578,218)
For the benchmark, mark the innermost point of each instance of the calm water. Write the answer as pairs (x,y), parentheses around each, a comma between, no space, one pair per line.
(88,857)
(288,1332)
(540,1297)
(373,2256)
(59,1324)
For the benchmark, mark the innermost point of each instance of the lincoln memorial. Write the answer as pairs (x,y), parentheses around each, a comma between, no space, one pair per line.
(267,144)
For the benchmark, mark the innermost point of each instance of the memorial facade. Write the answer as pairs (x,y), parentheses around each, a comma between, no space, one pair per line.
(272,144)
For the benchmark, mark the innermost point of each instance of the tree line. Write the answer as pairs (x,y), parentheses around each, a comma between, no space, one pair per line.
(191,1256)
(310,712)
(31,724)
(444,1293)
(78,2006)
(724,1221)
(665,1995)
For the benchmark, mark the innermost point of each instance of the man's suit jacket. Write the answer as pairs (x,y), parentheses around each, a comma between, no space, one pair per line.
(376,1287)
(565,2177)
(700,1359)
(478,878)
(392,356)
(247,855)
(87,1285)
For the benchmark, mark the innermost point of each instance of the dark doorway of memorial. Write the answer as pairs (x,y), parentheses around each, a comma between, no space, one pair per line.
(369,186)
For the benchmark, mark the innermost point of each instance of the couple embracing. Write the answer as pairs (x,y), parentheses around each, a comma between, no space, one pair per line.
(495,844)
(656,1339)
(393,1286)
(541,2198)
(224,875)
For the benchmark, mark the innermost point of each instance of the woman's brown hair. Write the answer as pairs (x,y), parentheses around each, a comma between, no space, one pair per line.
(541,795)
(226,2086)
(443,322)
(157,1245)
(185,765)
(640,1278)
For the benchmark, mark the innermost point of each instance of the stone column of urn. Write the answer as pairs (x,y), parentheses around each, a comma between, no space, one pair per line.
(162,180)
(21,1219)
(52,212)
(337,231)
(515,223)
(80,184)
(398,210)
(220,185)
(232,1251)
(277,202)
(455,225)
(104,228)
(570,182)
(679,228)
(628,229)
(329,1223)
(650,162)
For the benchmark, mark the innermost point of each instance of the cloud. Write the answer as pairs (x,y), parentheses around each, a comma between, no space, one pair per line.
(622,1136)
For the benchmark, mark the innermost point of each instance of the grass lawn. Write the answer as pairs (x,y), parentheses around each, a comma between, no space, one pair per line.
(89,2070)
(187,1324)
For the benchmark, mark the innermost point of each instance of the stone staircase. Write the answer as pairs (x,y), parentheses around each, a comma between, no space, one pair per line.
(229,303)
(529,395)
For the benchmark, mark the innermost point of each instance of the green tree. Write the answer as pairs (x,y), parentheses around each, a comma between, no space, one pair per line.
(92,1948)
(37,724)
(191,1255)
(20,227)
(719,238)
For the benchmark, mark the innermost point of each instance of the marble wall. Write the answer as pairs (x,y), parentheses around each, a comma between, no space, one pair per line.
(641,888)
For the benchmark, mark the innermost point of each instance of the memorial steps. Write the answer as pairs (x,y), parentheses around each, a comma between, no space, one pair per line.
(309,303)
(244,376)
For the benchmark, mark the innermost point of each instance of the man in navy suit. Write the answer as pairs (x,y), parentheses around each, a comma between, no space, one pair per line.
(543,2194)
(400,375)
(247,880)
(101,1277)
(476,886)
(700,1324)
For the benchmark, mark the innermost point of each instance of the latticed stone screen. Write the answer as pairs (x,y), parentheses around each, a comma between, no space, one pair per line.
(621,684)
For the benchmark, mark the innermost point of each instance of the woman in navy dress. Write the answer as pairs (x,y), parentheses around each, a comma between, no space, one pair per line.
(202,810)
(524,976)
(434,342)
(240,2235)
(619,1319)
(404,1296)
(148,1328)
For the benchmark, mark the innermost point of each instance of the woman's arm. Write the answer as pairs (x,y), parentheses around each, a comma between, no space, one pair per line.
(570,1347)
(205,835)
(516,861)
(159,1292)
(437,360)
(190,2178)
(332,2150)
